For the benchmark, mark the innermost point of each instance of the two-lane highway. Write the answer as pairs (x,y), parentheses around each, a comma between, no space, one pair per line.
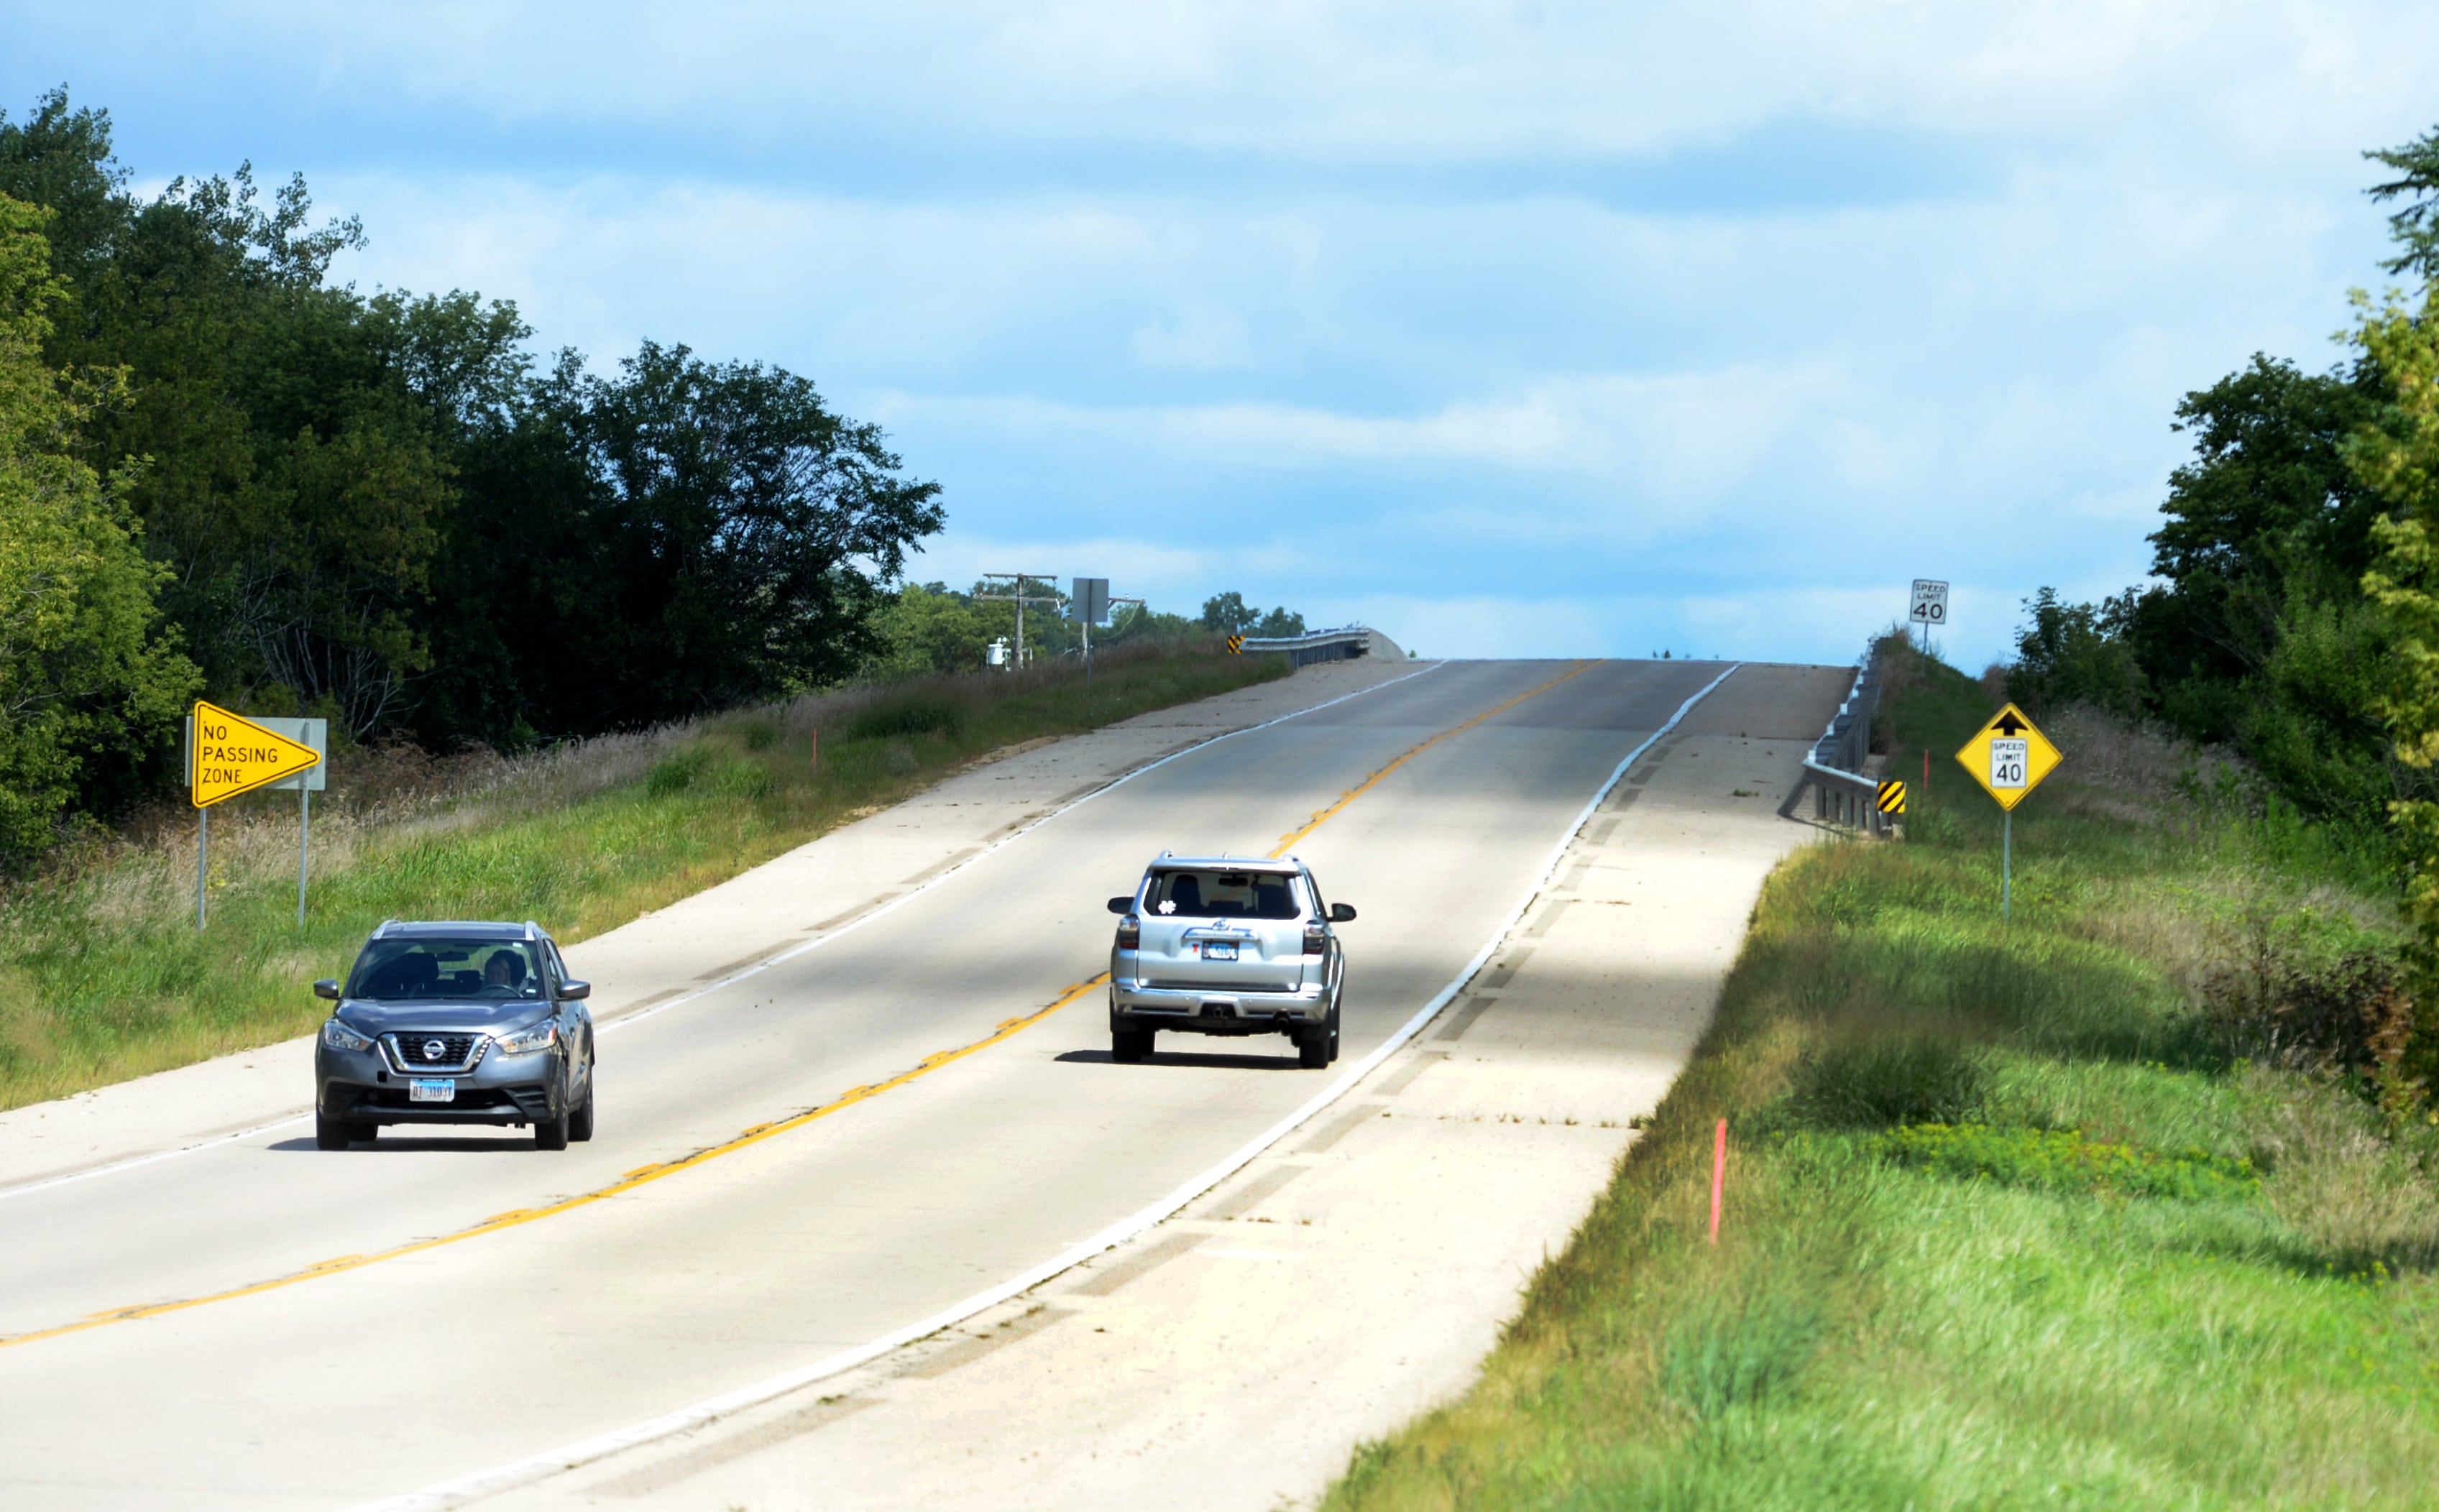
(481,1301)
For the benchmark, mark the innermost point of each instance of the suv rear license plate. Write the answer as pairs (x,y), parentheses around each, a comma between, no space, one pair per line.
(1218,949)
(423,1090)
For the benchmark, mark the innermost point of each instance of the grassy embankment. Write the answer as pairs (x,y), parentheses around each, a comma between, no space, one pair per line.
(103,976)
(2039,1215)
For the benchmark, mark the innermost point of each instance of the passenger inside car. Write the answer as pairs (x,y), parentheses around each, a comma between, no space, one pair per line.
(1223,895)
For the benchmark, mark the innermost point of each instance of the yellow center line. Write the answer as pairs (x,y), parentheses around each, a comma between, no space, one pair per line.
(1366,786)
(643,1175)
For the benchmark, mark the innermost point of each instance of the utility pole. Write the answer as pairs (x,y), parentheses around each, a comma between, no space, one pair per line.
(1016,596)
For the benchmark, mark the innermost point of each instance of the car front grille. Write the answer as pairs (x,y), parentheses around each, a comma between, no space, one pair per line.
(439,1051)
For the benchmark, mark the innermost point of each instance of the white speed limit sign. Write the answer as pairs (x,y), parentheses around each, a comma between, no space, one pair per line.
(1930,602)
(2008,761)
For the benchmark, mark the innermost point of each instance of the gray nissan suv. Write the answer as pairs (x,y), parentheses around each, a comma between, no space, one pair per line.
(455,1024)
(1215,945)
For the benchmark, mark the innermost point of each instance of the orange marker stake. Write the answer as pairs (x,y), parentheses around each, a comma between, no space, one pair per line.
(1718,1177)
(813,751)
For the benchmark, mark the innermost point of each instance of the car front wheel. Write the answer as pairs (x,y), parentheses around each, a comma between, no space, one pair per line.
(332,1134)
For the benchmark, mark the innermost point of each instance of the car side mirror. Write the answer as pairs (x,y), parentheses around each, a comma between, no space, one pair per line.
(1341,913)
(1121,905)
(570,991)
(327,987)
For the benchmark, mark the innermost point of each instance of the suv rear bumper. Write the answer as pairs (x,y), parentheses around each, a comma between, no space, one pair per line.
(1198,1012)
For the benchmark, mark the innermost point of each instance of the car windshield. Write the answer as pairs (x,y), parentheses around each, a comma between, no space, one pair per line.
(1223,895)
(393,970)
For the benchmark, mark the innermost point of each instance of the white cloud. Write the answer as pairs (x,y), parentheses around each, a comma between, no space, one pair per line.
(1373,291)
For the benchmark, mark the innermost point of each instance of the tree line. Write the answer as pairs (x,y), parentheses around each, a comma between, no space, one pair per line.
(226,472)
(222,472)
(2293,612)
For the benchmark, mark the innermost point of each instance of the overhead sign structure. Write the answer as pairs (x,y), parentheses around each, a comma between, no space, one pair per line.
(1892,796)
(231,754)
(2009,757)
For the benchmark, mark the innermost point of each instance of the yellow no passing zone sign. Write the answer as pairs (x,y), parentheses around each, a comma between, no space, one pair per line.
(2009,757)
(233,755)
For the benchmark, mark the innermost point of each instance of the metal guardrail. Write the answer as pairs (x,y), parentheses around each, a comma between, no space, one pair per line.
(1841,793)
(1338,644)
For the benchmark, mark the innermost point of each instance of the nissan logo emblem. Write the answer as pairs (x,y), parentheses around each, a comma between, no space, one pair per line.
(433,1049)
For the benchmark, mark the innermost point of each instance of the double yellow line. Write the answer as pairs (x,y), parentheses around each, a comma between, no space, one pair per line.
(643,1175)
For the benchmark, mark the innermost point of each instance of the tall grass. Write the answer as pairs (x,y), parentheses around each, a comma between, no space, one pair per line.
(103,976)
(2008,1222)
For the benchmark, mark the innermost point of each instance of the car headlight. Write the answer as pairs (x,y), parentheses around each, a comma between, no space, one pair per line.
(526,1042)
(339,1037)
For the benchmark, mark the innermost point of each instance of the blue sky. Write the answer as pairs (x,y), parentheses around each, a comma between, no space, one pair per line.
(1525,329)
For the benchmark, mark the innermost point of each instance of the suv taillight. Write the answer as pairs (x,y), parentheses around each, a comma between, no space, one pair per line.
(1316,939)
(1129,933)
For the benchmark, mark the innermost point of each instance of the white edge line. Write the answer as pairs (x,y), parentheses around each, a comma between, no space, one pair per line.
(574,1456)
(610,1025)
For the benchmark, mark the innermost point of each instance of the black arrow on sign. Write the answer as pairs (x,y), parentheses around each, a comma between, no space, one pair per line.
(2009,724)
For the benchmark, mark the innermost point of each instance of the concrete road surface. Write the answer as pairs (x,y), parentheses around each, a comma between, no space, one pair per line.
(848,1139)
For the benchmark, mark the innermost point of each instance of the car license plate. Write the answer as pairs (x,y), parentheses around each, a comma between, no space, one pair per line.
(431,1089)
(1218,949)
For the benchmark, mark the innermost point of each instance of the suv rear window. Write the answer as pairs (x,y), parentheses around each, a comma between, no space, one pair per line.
(1224,895)
(393,970)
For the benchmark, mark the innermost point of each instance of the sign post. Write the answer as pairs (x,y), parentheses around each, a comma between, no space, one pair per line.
(1929,607)
(1088,601)
(229,754)
(2009,757)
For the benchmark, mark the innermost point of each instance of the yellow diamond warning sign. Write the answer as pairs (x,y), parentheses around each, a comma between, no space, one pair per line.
(2009,757)
(233,755)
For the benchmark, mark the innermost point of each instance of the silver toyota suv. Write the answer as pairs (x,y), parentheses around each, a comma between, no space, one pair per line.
(455,1024)
(1218,945)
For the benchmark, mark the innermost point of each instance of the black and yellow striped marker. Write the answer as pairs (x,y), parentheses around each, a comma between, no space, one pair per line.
(1893,796)
(1236,645)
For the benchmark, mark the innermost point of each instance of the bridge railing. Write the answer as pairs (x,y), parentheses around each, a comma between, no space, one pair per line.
(1841,794)
(1322,645)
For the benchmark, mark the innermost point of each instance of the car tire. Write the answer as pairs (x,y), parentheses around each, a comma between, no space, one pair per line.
(551,1133)
(1333,1032)
(1131,1046)
(329,1134)
(1312,1047)
(580,1123)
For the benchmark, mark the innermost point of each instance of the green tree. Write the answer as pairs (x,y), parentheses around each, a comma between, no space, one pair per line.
(927,629)
(2415,226)
(1229,614)
(680,537)
(2399,458)
(88,681)
(2075,652)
